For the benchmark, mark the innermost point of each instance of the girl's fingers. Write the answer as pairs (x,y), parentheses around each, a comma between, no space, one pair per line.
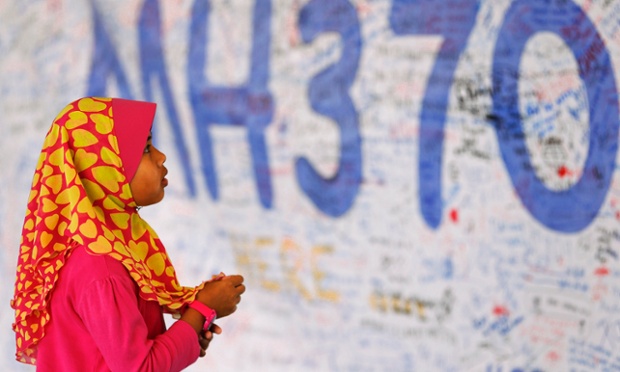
(236,280)
(215,329)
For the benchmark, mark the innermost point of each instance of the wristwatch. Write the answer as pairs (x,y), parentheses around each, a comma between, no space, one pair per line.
(206,311)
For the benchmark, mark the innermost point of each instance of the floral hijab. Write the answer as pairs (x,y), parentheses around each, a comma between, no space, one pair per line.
(80,195)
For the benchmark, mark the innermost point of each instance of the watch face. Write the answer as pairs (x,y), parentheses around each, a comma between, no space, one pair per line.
(209,319)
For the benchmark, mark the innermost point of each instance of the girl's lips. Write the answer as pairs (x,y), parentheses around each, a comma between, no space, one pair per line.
(164,181)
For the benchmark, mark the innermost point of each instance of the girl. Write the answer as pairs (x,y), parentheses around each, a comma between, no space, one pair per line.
(93,279)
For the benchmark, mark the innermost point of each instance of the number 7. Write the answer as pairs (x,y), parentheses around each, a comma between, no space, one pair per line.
(454,20)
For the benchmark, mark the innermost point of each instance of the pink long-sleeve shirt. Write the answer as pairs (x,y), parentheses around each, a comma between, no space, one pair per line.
(100,323)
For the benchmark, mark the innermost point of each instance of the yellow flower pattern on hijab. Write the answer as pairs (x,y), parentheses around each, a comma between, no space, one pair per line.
(81,196)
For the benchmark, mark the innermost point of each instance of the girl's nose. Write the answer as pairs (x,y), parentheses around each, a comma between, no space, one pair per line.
(161,157)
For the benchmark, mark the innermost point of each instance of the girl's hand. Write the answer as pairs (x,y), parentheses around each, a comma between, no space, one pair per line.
(219,276)
(222,295)
(206,337)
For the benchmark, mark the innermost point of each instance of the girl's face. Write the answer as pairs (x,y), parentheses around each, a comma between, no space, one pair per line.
(147,186)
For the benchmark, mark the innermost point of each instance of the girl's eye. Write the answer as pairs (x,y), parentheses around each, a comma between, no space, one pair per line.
(147,149)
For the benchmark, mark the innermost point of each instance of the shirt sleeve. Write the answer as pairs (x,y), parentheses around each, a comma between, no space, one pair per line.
(110,313)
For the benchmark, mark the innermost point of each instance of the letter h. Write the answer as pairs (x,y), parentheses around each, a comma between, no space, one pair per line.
(249,105)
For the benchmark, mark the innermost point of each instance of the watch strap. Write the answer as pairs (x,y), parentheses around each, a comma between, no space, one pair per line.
(209,314)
